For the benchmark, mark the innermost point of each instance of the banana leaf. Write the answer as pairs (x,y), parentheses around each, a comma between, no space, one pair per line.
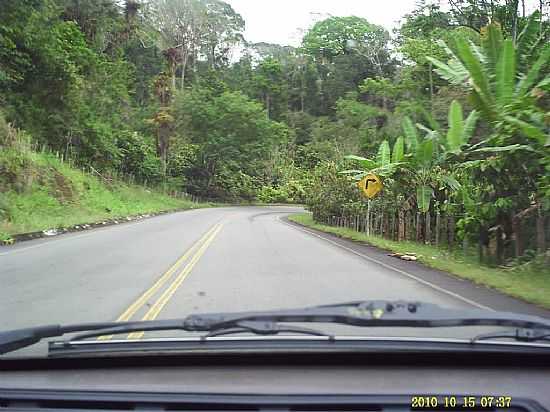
(398,153)
(424,196)
(456,126)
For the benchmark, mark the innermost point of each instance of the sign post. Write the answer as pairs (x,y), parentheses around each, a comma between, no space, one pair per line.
(368,217)
(370,186)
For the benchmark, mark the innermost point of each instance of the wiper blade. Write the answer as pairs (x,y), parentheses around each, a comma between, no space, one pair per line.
(521,335)
(376,313)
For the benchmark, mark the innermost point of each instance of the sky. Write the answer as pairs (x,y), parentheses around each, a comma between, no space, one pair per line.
(283,21)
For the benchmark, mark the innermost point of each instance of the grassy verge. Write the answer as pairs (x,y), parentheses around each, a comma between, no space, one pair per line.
(531,285)
(40,192)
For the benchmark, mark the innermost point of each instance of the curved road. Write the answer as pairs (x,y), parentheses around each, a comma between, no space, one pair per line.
(220,259)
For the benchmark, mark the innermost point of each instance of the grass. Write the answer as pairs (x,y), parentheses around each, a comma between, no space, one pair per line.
(531,285)
(39,192)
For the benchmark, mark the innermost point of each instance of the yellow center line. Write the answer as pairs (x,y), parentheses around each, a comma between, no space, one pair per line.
(154,311)
(134,307)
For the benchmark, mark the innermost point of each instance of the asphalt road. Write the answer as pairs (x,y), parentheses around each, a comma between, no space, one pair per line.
(210,260)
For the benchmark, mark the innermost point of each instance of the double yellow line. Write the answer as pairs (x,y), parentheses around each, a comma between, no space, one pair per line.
(194,253)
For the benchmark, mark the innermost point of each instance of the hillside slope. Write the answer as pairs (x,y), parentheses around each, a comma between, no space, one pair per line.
(38,192)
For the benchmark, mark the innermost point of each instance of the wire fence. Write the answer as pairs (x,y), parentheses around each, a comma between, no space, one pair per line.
(528,236)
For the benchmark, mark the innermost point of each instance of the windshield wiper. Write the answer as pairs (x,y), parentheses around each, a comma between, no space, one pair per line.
(376,313)
(521,335)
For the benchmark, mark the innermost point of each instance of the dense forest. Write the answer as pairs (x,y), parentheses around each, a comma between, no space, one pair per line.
(451,110)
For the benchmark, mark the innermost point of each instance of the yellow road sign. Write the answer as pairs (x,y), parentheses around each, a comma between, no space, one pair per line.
(370,185)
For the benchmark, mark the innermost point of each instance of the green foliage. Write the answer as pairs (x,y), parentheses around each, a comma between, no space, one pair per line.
(331,37)
(233,136)
(398,153)
(411,136)
(139,157)
(460,132)
(332,194)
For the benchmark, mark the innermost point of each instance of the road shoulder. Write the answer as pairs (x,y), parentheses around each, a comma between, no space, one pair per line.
(469,291)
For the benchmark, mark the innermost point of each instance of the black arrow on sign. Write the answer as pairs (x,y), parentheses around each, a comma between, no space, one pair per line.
(368,181)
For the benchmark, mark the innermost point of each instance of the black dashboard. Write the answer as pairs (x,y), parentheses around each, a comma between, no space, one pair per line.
(284,381)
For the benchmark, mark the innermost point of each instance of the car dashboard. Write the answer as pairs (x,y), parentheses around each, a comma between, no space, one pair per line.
(320,380)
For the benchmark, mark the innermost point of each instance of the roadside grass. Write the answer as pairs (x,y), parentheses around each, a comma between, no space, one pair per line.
(39,192)
(531,284)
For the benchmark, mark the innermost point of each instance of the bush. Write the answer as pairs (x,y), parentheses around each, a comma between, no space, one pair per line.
(138,157)
(4,130)
(270,194)
(4,208)
(332,194)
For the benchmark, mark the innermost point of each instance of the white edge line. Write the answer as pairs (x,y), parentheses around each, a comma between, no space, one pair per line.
(402,272)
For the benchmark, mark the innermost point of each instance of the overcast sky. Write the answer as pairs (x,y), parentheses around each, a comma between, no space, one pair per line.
(280,21)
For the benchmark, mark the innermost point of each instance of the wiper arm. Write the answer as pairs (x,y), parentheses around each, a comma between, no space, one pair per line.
(379,313)
(376,313)
(19,338)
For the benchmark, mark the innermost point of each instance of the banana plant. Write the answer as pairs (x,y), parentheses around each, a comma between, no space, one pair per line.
(498,89)
(427,155)
(385,164)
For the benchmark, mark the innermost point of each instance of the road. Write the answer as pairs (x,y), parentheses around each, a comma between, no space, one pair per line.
(220,259)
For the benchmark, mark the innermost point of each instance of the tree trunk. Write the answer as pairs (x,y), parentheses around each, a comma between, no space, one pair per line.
(515,4)
(173,70)
(541,235)
(267,104)
(163,137)
(480,247)
(431,90)
(183,68)
(516,230)
(541,8)
(212,57)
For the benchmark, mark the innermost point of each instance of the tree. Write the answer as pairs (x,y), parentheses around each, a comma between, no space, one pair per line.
(234,136)
(180,25)
(223,29)
(268,80)
(336,36)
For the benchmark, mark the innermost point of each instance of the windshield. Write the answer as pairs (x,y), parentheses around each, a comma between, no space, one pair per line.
(164,158)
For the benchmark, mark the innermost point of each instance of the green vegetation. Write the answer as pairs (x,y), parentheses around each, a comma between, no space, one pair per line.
(40,192)
(529,283)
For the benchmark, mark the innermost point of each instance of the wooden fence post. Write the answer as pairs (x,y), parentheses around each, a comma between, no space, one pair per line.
(427,224)
(418,226)
(480,247)
(401,223)
(437,227)
(500,245)
(451,231)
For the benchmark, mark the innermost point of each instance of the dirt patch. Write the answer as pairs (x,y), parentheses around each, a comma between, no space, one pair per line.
(63,189)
